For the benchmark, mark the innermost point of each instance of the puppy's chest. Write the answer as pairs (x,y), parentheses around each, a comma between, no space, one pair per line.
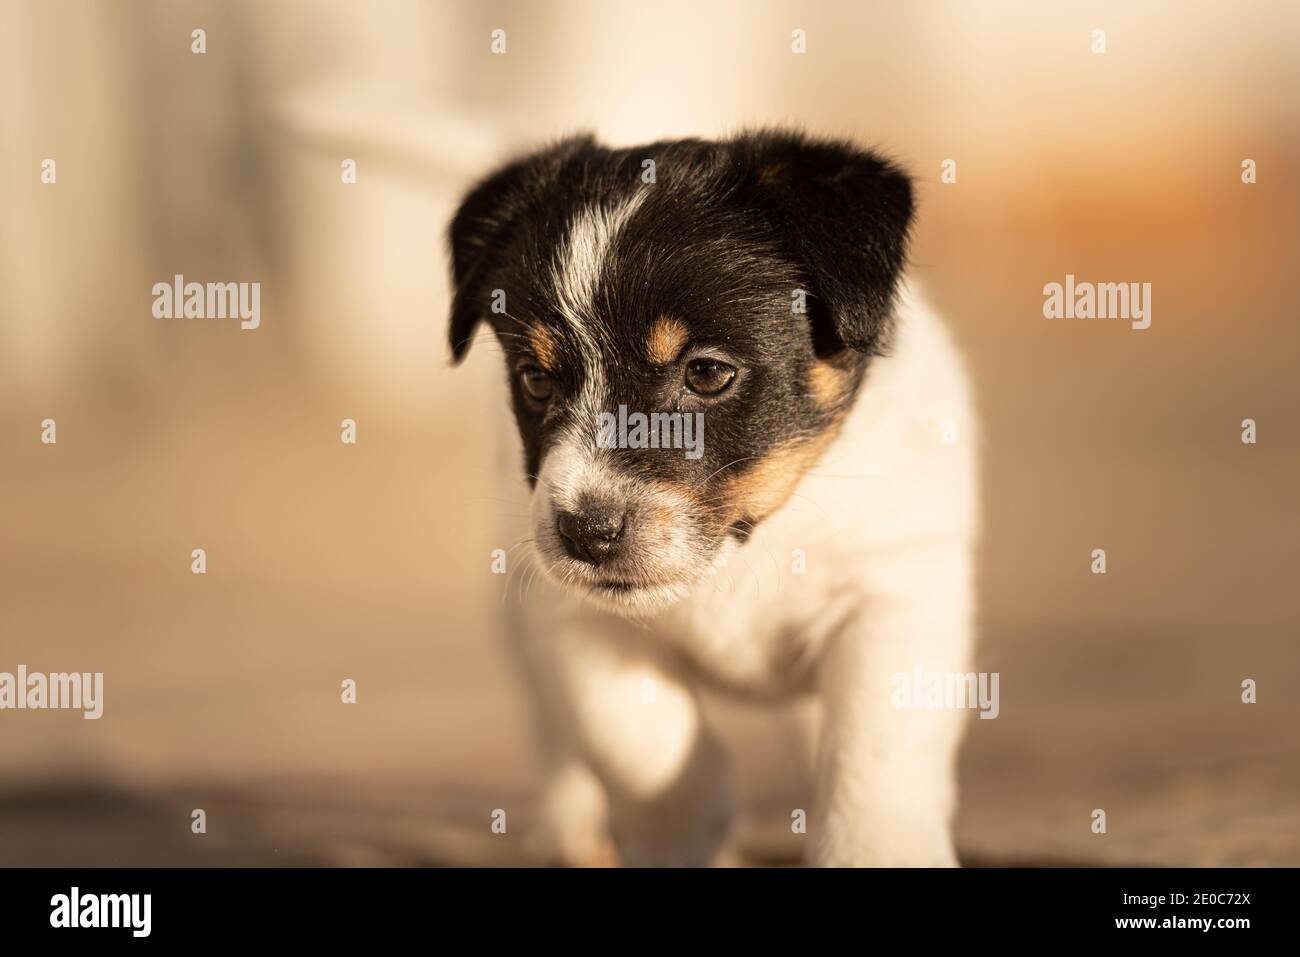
(752,638)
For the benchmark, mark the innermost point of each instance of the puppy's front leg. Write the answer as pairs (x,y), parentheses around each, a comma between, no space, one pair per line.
(639,728)
(886,788)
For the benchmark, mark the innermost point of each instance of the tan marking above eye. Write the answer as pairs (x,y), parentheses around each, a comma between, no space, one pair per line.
(665,340)
(545,347)
(773,173)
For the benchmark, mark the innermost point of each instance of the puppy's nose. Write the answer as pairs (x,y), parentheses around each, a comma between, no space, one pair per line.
(594,532)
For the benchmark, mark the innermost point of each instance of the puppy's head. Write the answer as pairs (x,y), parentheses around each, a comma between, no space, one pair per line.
(736,289)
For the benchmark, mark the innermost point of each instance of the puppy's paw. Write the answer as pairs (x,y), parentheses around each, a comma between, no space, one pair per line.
(686,836)
(573,829)
(560,844)
(929,848)
(657,850)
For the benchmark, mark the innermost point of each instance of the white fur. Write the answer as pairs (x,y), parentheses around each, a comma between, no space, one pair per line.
(887,520)
(577,277)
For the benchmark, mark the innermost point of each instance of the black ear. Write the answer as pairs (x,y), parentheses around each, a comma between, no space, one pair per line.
(482,225)
(843,214)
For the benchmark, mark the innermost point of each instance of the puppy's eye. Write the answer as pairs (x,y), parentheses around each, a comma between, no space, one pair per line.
(709,376)
(537,385)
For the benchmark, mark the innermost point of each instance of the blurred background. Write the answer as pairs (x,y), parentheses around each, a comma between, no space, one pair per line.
(329,561)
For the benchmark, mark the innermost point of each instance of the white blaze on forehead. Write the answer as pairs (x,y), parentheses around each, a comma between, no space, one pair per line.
(582,257)
(576,277)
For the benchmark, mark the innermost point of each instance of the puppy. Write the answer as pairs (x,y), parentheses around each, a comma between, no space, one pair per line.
(814,543)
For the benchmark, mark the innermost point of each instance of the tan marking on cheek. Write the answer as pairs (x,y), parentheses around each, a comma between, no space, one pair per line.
(768,483)
(828,384)
(665,340)
(545,347)
(752,495)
